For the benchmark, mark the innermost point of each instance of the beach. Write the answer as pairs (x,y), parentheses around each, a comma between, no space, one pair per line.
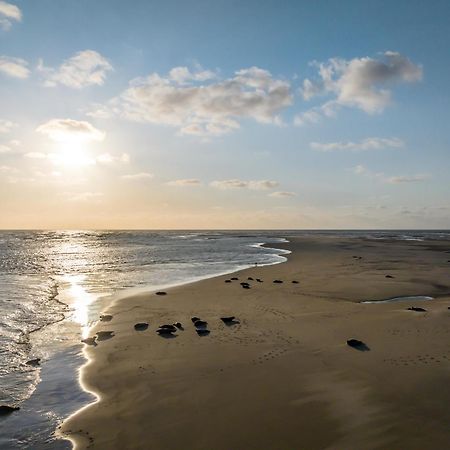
(282,376)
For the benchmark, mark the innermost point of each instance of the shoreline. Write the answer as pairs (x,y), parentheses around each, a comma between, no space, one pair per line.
(278,323)
(123,296)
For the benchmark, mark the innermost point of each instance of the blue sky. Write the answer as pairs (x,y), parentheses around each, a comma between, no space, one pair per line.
(224,114)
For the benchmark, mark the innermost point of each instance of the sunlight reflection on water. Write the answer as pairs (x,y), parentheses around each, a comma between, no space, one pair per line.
(81,301)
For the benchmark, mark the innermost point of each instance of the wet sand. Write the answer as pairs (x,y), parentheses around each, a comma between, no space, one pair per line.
(283,378)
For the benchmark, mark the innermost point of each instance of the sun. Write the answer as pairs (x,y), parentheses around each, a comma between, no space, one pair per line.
(72,152)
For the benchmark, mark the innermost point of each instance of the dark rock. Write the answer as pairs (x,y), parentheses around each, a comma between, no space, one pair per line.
(106,317)
(200,324)
(244,283)
(33,362)
(202,332)
(194,319)
(227,281)
(294,282)
(277,281)
(104,335)
(246,286)
(161,293)
(234,278)
(259,280)
(6,409)
(358,345)
(90,341)
(230,320)
(172,328)
(250,278)
(389,276)
(141,326)
(178,325)
(164,332)
(416,308)
(227,319)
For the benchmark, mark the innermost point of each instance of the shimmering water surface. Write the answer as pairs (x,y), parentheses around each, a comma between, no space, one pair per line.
(55,283)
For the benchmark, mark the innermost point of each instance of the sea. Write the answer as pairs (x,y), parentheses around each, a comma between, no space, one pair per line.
(55,284)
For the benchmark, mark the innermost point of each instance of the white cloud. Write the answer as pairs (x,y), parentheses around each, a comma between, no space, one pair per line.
(70,129)
(282,194)
(107,158)
(6,126)
(185,182)
(4,148)
(243,184)
(362,83)
(202,109)
(182,75)
(372,143)
(137,176)
(14,67)
(8,14)
(85,68)
(360,169)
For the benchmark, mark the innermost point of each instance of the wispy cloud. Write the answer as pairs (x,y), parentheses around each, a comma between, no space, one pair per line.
(408,178)
(362,83)
(282,194)
(14,67)
(396,179)
(9,13)
(371,143)
(137,176)
(185,182)
(67,129)
(6,126)
(85,68)
(243,184)
(202,109)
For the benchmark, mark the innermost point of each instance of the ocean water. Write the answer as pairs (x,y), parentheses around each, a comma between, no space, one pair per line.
(54,284)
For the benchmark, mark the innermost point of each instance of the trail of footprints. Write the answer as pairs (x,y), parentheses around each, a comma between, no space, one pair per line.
(417,360)
(270,355)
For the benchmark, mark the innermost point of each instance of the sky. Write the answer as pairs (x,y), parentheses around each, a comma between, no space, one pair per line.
(214,114)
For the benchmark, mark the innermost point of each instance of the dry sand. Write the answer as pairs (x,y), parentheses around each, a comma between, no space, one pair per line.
(284,378)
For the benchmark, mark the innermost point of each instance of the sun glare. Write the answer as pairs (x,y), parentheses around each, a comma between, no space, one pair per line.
(72,153)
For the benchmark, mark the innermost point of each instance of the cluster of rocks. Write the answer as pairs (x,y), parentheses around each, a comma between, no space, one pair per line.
(246,284)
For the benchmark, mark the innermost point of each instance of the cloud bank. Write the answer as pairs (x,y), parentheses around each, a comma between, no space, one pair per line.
(185,101)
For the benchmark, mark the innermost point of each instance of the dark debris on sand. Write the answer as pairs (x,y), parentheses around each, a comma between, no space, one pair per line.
(7,409)
(358,345)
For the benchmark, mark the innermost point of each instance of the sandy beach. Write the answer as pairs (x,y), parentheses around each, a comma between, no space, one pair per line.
(282,378)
